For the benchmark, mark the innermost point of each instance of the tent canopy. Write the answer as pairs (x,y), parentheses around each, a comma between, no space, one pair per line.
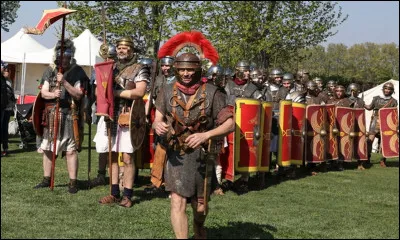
(13,49)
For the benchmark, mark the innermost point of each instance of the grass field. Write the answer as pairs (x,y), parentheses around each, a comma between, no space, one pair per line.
(348,204)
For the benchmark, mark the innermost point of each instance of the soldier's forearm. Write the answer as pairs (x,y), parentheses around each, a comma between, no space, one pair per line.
(74,92)
(224,129)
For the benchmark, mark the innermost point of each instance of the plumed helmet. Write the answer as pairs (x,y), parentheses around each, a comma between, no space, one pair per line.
(311,85)
(287,77)
(127,41)
(107,51)
(146,61)
(353,89)
(187,60)
(215,69)
(167,60)
(276,72)
(242,66)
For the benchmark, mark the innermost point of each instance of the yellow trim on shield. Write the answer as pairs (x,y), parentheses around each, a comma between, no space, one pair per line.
(282,104)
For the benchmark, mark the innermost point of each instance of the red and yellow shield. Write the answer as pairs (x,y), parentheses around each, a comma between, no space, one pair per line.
(37,112)
(145,154)
(265,141)
(332,148)
(389,127)
(315,141)
(345,124)
(285,133)
(360,135)
(298,119)
(226,159)
(247,118)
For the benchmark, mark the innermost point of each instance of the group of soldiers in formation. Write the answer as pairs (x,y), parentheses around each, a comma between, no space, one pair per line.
(194,105)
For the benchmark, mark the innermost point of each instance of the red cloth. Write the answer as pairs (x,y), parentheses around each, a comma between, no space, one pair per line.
(188,90)
(240,81)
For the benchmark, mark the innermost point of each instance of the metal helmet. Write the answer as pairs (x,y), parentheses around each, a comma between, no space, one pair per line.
(167,60)
(302,75)
(340,87)
(287,77)
(390,86)
(127,41)
(255,74)
(311,85)
(276,72)
(253,66)
(353,89)
(205,65)
(188,60)
(317,79)
(215,69)
(107,51)
(146,61)
(241,67)
(331,83)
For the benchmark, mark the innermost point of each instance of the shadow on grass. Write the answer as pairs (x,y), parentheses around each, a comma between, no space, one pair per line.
(241,230)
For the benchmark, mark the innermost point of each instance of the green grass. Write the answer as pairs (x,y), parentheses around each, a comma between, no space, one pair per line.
(348,204)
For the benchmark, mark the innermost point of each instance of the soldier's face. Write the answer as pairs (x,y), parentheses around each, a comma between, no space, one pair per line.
(339,94)
(387,91)
(123,52)
(165,69)
(286,85)
(278,80)
(66,62)
(186,74)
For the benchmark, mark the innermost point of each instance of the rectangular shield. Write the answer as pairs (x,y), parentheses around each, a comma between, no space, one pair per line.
(285,133)
(389,127)
(332,153)
(345,125)
(360,135)
(247,118)
(297,145)
(227,160)
(315,141)
(265,141)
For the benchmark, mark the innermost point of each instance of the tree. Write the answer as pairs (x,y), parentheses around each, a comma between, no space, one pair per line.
(145,21)
(8,13)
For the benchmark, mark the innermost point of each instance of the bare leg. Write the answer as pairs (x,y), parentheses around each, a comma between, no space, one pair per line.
(47,156)
(72,164)
(198,220)
(179,218)
(129,170)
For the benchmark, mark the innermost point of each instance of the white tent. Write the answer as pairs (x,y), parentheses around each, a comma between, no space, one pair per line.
(375,91)
(35,58)
(15,51)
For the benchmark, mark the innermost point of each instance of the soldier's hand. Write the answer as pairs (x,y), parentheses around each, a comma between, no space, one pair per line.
(195,140)
(161,128)
(59,77)
(57,93)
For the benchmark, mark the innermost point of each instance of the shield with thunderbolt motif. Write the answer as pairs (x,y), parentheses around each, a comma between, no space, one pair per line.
(265,138)
(297,145)
(285,133)
(389,127)
(315,141)
(345,125)
(360,135)
(137,123)
(247,135)
(37,113)
(332,148)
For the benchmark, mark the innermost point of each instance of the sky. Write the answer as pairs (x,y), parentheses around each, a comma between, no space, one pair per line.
(368,21)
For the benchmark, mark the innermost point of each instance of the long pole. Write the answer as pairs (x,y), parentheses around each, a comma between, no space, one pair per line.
(89,117)
(57,111)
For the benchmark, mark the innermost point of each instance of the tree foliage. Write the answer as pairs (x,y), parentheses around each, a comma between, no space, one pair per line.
(258,31)
(8,13)
(367,63)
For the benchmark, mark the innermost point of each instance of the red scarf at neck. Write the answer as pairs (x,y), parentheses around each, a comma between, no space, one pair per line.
(188,90)
(240,81)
